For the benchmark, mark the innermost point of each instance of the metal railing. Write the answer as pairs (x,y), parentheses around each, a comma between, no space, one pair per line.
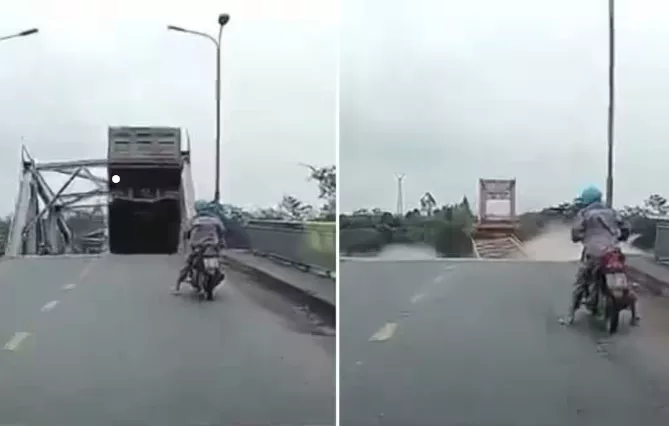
(310,246)
(661,248)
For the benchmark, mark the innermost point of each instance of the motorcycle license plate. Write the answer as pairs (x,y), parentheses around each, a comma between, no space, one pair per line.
(211,262)
(617,281)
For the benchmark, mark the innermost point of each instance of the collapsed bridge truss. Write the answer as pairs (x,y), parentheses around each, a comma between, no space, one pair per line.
(66,220)
(58,222)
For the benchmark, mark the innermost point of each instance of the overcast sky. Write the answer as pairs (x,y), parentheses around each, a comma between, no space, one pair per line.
(451,91)
(100,63)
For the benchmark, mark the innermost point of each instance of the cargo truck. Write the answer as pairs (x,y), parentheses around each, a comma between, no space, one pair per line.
(144,171)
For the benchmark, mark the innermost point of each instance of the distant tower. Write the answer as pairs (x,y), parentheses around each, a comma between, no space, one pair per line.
(400,202)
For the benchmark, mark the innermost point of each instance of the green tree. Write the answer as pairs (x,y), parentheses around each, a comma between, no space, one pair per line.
(269,213)
(656,205)
(327,186)
(412,215)
(464,204)
(387,218)
(452,241)
(427,204)
(294,208)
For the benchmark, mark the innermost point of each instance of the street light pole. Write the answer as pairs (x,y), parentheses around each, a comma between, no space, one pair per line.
(609,174)
(223,19)
(21,34)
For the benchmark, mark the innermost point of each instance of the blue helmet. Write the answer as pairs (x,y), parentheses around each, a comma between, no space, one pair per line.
(590,195)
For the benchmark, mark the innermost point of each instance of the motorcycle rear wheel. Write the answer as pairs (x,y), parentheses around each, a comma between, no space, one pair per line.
(197,282)
(208,286)
(612,315)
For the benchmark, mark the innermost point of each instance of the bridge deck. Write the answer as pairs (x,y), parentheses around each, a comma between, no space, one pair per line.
(478,343)
(117,348)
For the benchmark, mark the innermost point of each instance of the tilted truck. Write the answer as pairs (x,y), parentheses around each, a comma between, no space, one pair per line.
(144,168)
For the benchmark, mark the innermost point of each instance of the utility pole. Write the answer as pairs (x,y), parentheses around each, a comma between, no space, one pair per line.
(400,202)
(609,170)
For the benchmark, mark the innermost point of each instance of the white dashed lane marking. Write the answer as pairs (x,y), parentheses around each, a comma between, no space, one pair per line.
(423,291)
(18,338)
(384,333)
(86,270)
(14,343)
(417,298)
(388,330)
(49,306)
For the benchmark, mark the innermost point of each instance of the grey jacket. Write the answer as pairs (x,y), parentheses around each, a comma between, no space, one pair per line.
(205,230)
(599,229)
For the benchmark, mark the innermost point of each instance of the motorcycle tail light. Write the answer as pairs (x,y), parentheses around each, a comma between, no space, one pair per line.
(614,261)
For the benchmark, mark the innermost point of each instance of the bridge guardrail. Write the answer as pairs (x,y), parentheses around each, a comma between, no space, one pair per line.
(661,248)
(309,246)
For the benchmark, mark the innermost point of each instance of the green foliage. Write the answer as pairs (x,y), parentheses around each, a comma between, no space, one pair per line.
(451,240)
(4,231)
(360,240)
(295,209)
(326,177)
(291,208)
(447,228)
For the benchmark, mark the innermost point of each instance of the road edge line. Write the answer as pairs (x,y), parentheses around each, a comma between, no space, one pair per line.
(319,305)
(648,281)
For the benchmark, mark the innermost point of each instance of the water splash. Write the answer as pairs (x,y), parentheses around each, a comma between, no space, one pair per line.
(407,252)
(554,244)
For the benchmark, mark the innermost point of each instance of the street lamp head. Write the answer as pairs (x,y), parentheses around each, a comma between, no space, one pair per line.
(175,28)
(223,19)
(28,32)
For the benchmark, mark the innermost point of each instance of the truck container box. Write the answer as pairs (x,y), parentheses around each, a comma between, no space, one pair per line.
(146,145)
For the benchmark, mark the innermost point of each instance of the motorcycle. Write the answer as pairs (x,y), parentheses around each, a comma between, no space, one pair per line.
(207,272)
(612,290)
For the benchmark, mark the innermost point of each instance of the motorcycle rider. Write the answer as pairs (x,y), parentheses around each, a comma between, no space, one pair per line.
(205,230)
(600,229)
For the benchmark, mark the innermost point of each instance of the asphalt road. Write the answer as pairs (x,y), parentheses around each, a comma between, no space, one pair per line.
(479,343)
(108,345)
